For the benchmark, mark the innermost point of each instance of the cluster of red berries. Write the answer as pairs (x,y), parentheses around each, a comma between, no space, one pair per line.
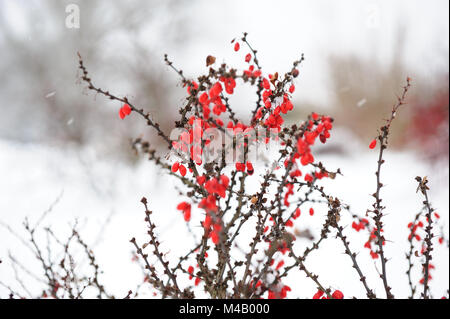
(208,204)
(360,225)
(413,228)
(317,127)
(217,186)
(417,225)
(281,294)
(191,275)
(252,73)
(373,238)
(210,102)
(241,167)
(430,267)
(363,224)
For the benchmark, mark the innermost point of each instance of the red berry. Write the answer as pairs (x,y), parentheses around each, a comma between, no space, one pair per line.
(337,295)
(183,205)
(182,170)
(126,109)
(175,167)
(279,265)
(318,294)
(236,46)
(373,144)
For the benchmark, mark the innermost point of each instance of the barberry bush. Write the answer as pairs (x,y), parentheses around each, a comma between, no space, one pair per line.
(255,174)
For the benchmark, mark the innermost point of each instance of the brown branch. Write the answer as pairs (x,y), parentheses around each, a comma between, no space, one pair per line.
(378,208)
(428,229)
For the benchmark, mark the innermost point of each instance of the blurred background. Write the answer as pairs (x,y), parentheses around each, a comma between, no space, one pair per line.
(358,54)
(58,138)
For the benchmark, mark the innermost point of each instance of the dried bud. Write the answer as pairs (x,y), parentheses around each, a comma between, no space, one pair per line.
(274,78)
(210,60)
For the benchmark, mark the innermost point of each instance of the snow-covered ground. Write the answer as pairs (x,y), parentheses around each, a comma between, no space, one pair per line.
(104,196)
